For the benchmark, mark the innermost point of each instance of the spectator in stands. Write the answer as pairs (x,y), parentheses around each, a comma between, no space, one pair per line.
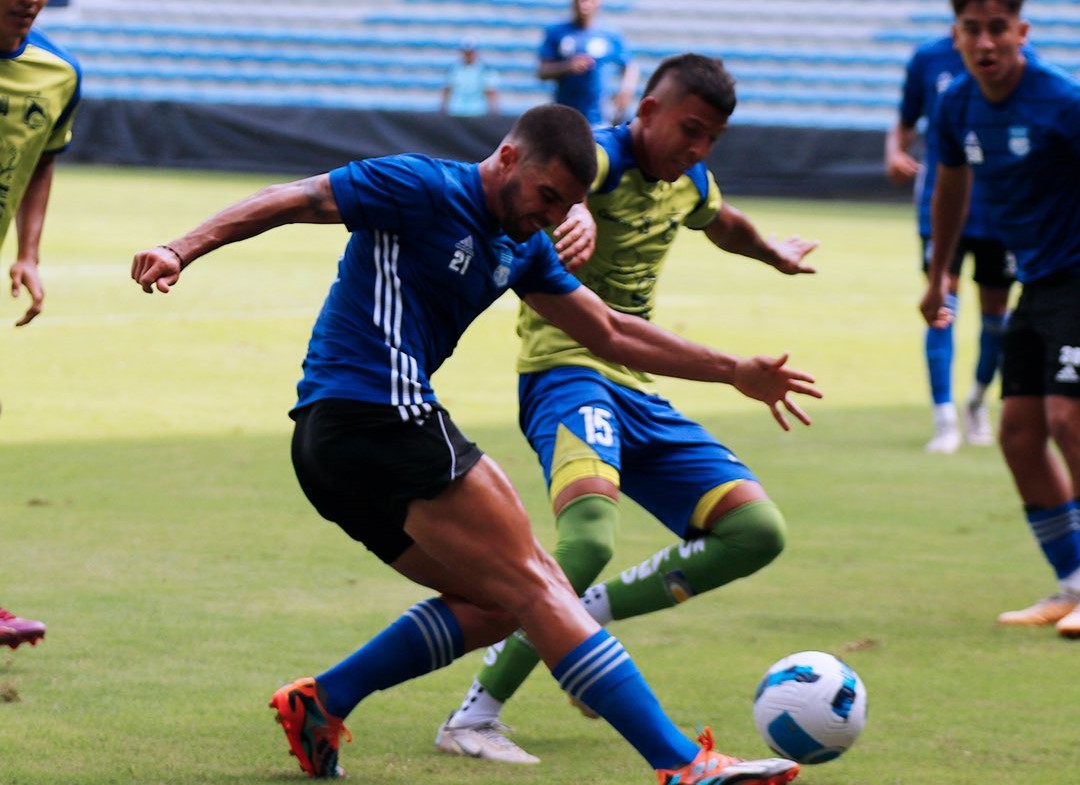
(40,91)
(433,244)
(929,71)
(578,55)
(597,427)
(471,87)
(1012,124)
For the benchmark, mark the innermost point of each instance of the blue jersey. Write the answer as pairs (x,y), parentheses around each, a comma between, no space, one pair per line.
(426,257)
(1025,155)
(584,91)
(929,71)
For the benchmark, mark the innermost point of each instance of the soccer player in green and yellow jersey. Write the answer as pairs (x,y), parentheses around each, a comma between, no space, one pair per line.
(39,89)
(597,427)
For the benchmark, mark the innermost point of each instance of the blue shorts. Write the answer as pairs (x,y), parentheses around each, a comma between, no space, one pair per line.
(664,461)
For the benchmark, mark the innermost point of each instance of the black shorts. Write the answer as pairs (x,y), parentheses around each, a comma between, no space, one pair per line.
(1041,350)
(995,266)
(360,465)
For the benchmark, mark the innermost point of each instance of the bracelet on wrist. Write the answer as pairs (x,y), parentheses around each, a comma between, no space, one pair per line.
(174,252)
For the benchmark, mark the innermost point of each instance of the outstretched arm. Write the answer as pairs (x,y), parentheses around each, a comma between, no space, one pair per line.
(638,343)
(304,201)
(732,231)
(29,221)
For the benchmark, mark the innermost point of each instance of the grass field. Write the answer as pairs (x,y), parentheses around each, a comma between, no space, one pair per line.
(150,517)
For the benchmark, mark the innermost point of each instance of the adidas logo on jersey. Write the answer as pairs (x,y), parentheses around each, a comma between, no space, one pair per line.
(1069,359)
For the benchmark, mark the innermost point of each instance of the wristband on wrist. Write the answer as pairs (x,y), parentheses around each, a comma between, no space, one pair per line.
(175,253)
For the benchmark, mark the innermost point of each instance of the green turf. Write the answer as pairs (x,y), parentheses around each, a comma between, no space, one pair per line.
(150,517)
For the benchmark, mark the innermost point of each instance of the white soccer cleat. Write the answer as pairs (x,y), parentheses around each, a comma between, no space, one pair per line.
(946,439)
(977,430)
(486,740)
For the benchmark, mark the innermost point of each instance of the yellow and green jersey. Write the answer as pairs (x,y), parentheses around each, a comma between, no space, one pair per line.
(636,221)
(39,89)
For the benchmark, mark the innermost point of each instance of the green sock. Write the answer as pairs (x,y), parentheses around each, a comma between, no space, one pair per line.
(586,540)
(741,543)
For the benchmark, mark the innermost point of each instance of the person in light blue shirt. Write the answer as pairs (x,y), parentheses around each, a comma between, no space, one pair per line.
(432,244)
(471,88)
(578,56)
(1012,123)
(929,71)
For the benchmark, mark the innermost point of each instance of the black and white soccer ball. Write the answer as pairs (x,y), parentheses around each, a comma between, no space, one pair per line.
(810,707)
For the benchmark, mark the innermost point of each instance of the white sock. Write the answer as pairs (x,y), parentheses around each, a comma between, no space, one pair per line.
(596,602)
(978,394)
(944,414)
(1071,582)
(478,708)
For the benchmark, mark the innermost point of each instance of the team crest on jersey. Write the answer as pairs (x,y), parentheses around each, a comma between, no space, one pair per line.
(35,115)
(973,149)
(943,80)
(1019,141)
(502,272)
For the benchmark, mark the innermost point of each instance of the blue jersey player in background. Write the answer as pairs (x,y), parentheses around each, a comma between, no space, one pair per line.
(929,71)
(579,56)
(1013,124)
(434,243)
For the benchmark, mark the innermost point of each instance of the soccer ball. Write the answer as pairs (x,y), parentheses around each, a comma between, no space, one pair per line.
(810,707)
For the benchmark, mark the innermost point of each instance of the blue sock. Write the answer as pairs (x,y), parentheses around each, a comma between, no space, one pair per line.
(1058,532)
(990,339)
(424,638)
(601,674)
(939,356)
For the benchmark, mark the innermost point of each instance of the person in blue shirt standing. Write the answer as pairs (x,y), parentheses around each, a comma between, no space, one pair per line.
(471,88)
(577,55)
(1013,124)
(929,71)
(433,244)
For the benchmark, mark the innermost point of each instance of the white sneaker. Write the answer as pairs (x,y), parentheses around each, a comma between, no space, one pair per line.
(946,439)
(977,428)
(486,740)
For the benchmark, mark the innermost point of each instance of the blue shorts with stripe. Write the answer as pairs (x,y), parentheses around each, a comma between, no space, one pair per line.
(665,461)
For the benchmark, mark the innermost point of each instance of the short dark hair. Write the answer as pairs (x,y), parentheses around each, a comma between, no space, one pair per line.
(552,131)
(705,77)
(1012,6)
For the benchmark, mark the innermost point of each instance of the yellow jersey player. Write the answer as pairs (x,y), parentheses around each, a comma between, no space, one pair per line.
(39,90)
(597,427)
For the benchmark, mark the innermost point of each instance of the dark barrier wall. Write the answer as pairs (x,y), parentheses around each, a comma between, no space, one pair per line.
(749,160)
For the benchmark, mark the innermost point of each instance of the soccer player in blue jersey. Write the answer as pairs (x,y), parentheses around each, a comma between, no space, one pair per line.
(598,427)
(39,90)
(577,55)
(433,244)
(929,71)
(1013,124)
